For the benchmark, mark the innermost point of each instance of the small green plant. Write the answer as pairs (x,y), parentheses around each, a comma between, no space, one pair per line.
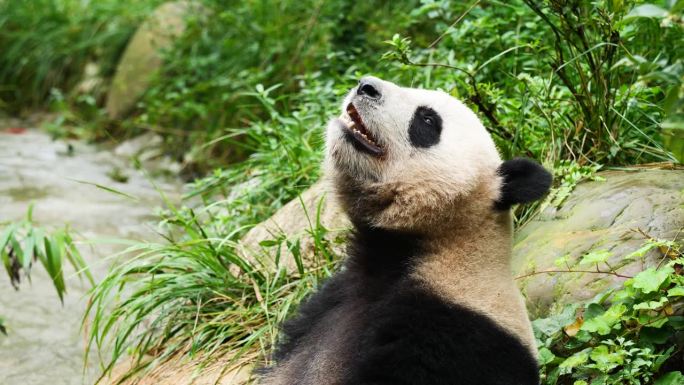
(628,335)
(22,244)
(568,175)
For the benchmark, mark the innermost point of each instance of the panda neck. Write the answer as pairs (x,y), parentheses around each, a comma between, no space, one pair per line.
(472,268)
(465,262)
(384,255)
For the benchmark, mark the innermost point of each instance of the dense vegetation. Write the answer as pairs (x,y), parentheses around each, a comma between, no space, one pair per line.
(243,98)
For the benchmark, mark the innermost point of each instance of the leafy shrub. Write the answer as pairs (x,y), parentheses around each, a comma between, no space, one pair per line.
(204,89)
(631,335)
(558,80)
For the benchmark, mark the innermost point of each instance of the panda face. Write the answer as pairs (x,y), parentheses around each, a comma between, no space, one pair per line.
(413,149)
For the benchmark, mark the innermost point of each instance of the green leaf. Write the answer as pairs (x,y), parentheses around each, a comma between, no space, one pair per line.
(651,305)
(603,323)
(109,189)
(655,335)
(595,257)
(650,279)
(658,323)
(605,359)
(29,249)
(677,291)
(5,237)
(640,252)
(676,321)
(574,361)
(593,310)
(647,10)
(546,356)
(53,265)
(555,323)
(269,243)
(671,378)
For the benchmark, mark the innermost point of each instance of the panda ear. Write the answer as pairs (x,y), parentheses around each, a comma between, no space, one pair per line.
(523,181)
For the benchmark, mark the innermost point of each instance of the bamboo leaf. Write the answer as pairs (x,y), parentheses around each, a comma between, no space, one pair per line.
(53,266)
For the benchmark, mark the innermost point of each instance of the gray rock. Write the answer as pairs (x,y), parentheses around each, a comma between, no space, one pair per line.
(609,215)
(62,186)
(147,144)
(142,57)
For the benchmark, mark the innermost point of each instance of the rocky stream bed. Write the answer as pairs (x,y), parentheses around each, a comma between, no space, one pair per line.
(44,343)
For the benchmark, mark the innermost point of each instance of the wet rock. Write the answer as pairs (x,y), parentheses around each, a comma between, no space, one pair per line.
(612,215)
(142,57)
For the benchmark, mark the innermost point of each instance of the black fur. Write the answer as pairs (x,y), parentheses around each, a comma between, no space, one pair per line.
(426,127)
(399,333)
(381,254)
(524,181)
(414,338)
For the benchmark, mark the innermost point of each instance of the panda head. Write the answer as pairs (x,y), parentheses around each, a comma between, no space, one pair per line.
(405,158)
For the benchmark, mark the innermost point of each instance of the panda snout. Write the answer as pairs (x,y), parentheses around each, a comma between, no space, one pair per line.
(369,87)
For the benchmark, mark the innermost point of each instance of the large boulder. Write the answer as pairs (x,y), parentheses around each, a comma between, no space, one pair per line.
(142,57)
(615,215)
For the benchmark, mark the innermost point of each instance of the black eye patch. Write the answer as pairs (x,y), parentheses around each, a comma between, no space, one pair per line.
(426,127)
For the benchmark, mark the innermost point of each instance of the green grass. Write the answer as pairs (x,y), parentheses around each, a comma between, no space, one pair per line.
(200,296)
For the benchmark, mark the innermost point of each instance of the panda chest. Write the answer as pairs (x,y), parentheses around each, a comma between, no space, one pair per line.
(325,354)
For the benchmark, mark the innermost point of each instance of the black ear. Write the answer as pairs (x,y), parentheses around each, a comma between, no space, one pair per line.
(524,181)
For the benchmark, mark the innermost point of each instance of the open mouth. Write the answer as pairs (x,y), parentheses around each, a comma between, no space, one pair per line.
(358,134)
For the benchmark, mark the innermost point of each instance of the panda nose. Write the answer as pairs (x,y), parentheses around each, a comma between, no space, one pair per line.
(368,87)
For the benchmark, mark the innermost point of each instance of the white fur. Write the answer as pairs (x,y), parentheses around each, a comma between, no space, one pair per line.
(451,169)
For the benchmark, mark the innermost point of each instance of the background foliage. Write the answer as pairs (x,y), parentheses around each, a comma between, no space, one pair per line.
(242,100)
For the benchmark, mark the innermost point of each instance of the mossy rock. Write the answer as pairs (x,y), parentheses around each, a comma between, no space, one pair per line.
(613,215)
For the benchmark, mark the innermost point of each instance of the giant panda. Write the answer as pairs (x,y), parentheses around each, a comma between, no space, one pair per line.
(425,295)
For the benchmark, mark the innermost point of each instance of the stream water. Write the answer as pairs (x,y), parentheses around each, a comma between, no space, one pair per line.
(44,343)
